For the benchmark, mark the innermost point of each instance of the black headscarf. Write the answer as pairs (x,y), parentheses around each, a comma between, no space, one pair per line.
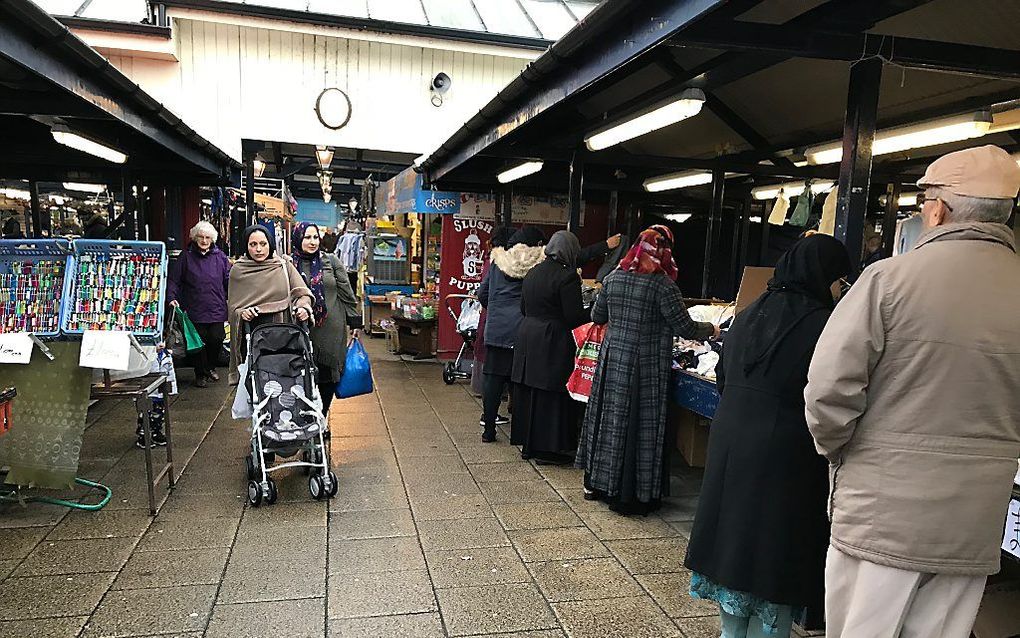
(501,236)
(528,235)
(257,228)
(564,247)
(800,287)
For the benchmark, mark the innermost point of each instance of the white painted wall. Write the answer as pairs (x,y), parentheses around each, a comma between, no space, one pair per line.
(234,81)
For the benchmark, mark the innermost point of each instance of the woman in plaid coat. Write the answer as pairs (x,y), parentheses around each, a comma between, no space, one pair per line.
(622,448)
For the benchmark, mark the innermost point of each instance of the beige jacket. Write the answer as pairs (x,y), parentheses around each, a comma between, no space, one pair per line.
(914,397)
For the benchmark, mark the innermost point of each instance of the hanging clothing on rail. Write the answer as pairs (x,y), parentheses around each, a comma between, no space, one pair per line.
(350,248)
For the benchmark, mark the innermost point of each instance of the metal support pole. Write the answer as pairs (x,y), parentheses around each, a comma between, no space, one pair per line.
(714,228)
(249,191)
(631,215)
(575,192)
(734,269)
(892,206)
(614,211)
(745,237)
(37,226)
(763,250)
(855,168)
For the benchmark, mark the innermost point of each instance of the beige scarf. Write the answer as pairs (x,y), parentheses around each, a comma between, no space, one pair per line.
(274,285)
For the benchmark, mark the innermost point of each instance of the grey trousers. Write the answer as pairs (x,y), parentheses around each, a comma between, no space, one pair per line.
(867,600)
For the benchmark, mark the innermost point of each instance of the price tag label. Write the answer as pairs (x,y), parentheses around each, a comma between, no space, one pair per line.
(16,347)
(1011,537)
(105,349)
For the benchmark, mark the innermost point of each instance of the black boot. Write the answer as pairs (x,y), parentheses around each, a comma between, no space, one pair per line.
(489,435)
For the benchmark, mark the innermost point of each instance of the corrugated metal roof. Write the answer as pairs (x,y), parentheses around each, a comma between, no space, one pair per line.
(539,19)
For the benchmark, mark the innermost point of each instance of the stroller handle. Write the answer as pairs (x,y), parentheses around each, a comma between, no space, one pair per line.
(449,308)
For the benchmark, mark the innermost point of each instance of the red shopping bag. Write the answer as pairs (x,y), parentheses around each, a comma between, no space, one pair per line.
(589,341)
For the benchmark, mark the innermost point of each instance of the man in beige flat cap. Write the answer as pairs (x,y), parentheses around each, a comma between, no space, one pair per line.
(914,397)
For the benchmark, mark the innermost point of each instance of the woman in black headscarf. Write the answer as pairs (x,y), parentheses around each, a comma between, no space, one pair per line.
(545,418)
(760,535)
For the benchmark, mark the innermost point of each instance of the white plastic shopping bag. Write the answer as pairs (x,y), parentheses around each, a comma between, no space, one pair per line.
(242,408)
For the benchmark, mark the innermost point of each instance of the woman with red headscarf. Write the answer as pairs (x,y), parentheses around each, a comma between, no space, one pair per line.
(622,448)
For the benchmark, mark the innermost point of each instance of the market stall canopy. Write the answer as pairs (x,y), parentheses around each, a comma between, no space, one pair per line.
(770,78)
(68,115)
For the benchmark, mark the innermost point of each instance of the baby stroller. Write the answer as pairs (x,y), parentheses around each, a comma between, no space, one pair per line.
(287,414)
(467,327)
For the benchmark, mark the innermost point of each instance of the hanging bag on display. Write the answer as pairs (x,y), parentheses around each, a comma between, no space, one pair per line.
(357,377)
(589,339)
(802,212)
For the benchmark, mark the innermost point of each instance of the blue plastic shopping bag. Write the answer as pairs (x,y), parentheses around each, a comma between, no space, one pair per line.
(357,377)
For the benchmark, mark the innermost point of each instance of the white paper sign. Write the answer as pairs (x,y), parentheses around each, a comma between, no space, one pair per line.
(1011,537)
(16,347)
(105,349)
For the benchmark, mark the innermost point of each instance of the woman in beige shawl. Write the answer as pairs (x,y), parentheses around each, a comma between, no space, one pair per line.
(263,285)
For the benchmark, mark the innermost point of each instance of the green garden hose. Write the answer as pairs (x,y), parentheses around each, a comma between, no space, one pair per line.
(12,497)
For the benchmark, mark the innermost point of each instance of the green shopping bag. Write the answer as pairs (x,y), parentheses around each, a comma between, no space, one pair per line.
(191,339)
(802,213)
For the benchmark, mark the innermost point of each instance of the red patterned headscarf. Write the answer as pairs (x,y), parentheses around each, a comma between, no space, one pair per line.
(652,253)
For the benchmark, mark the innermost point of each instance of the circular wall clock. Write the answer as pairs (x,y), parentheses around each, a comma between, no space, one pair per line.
(333,108)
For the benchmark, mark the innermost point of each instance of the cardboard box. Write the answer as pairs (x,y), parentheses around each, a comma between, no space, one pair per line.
(999,615)
(752,284)
(691,434)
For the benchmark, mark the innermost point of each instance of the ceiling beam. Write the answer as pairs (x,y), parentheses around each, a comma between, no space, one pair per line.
(553,79)
(848,47)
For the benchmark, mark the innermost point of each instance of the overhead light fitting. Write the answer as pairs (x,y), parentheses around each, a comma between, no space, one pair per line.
(674,181)
(324,155)
(792,189)
(687,104)
(519,171)
(678,217)
(15,193)
(63,135)
(258,166)
(943,131)
(754,220)
(85,188)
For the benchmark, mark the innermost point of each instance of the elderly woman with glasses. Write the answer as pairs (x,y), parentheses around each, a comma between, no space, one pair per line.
(198,285)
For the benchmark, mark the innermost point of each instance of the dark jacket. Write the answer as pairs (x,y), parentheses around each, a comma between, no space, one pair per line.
(96,227)
(500,292)
(342,312)
(762,467)
(199,284)
(551,308)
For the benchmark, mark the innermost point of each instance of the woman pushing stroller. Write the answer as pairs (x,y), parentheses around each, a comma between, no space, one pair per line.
(263,286)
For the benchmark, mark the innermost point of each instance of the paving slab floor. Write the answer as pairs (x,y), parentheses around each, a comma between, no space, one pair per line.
(433,534)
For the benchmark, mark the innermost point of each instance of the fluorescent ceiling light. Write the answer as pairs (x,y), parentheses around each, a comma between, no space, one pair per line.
(57,199)
(324,155)
(687,104)
(15,193)
(678,217)
(754,220)
(85,188)
(64,136)
(791,189)
(674,181)
(519,171)
(894,140)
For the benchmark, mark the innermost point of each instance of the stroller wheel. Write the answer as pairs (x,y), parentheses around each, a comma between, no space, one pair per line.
(334,485)
(249,466)
(254,494)
(316,486)
(271,493)
(448,376)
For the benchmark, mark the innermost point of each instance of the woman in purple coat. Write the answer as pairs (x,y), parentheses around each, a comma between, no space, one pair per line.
(198,284)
